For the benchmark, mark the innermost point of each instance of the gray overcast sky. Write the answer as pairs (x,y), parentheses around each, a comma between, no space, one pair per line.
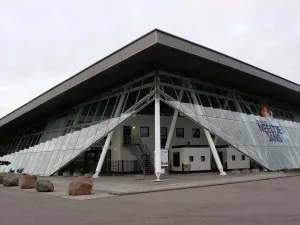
(43,42)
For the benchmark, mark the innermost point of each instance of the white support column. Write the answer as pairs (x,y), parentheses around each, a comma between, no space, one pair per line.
(108,138)
(173,123)
(214,151)
(207,133)
(157,139)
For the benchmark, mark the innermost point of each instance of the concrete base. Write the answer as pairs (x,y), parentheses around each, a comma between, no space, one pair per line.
(255,170)
(76,174)
(66,174)
(245,171)
(140,177)
(234,172)
(89,175)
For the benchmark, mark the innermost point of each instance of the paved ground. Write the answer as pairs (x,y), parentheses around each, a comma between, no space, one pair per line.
(275,202)
(106,186)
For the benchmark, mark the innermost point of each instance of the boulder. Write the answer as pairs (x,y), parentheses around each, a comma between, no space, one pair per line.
(81,186)
(10,180)
(44,186)
(28,181)
(1,178)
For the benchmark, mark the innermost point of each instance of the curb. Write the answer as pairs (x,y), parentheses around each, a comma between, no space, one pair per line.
(196,186)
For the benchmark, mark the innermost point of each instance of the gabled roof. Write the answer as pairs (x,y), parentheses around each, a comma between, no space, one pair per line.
(155,50)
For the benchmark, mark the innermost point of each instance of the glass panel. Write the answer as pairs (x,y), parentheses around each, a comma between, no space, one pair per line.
(74,138)
(51,163)
(45,162)
(253,154)
(206,105)
(92,112)
(269,158)
(215,127)
(283,161)
(82,137)
(235,132)
(100,110)
(227,133)
(217,107)
(244,133)
(84,113)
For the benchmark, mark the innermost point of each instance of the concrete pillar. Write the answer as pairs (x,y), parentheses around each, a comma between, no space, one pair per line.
(157,139)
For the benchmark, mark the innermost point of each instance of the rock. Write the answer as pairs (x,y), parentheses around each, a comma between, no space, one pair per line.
(44,186)
(10,180)
(28,181)
(1,178)
(81,186)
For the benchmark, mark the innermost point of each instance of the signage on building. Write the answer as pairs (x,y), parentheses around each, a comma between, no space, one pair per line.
(274,132)
(164,157)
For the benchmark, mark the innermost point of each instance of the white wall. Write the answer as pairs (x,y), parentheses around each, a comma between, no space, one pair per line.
(148,120)
(238,163)
(197,164)
(122,153)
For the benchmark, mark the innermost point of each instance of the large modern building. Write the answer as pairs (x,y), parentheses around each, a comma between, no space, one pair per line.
(159,104)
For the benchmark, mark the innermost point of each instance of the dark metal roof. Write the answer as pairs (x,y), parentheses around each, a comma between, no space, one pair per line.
(155,50)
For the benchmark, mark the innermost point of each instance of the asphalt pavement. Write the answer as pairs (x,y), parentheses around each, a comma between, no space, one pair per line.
(275,202)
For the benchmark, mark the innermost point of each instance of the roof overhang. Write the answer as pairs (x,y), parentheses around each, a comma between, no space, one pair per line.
(156,50)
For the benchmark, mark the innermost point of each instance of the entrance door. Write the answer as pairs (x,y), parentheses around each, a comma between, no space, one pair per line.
(126,135)
(221,156)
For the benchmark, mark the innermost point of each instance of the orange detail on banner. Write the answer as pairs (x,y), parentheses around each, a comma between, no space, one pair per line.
(264,111)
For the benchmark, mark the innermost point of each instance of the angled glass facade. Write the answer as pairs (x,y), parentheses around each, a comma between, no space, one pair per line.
(265,133)
(268,135)
(47,147)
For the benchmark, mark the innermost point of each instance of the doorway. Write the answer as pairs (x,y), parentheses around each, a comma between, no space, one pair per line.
(126,135)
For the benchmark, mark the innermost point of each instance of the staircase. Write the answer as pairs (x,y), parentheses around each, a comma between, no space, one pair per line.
(142,153)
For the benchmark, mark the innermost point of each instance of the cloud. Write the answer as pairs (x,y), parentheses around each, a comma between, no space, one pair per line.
(44,42)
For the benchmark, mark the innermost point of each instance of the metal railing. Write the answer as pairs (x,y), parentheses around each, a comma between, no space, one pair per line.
(142,153)
(136,139)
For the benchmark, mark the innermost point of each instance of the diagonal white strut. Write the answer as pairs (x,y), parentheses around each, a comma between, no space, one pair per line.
(108,138)
(173,123)
(207,133)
